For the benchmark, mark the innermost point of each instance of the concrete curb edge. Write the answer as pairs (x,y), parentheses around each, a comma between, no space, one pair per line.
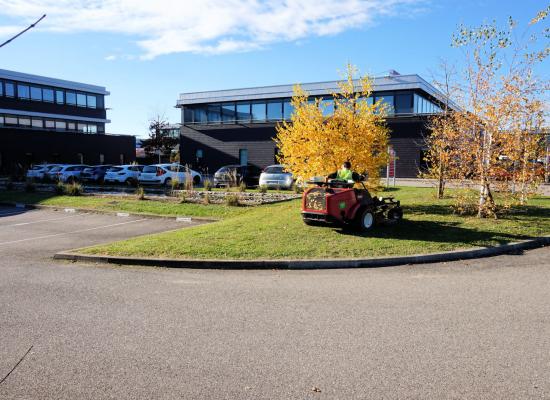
(310,264)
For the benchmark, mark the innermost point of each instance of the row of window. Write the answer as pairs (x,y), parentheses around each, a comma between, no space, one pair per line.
(50,124)
(281,109)
(24,91)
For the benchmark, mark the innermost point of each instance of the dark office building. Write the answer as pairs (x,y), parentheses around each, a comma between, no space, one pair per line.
(237,126)
(52,120)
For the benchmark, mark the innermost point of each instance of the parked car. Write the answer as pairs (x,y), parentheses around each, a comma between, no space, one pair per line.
(67,173)
(274,176)
(94,174)
(234,175)
(38,172)
(127,174)
(165,174)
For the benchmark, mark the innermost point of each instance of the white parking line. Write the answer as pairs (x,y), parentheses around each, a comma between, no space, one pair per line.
(70,233)
(39,221)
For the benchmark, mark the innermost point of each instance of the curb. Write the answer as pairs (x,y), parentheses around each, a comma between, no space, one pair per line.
(179,218)
(311,264)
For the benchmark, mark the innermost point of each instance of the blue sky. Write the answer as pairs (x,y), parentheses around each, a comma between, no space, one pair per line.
(146,56)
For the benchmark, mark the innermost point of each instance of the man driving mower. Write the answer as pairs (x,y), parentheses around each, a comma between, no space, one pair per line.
(345,174)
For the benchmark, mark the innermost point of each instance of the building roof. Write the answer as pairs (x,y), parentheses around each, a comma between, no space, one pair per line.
(43,80)
(380,84)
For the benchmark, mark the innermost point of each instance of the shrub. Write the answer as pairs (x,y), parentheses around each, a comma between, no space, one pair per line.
(206,199)
(262,189)
(74,189)
(140,193)
(297,188)
(30,186)
(183,196)
(242,187)
(207,185)
(175,183)
(232,200)
(60,188)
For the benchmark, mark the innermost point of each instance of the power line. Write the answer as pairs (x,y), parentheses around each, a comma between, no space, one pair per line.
(23,31)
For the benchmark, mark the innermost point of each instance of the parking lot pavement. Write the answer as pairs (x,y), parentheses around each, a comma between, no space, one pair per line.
(476,329)
(41,233)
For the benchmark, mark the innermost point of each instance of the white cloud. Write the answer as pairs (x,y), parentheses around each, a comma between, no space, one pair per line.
(205,26)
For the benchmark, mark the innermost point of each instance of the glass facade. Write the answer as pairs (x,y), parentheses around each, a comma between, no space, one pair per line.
(398,103)
(23,121)
(25,91)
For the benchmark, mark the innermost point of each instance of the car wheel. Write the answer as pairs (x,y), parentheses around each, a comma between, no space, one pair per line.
(196,180)
(365,220)
(168,182)
(71,179)
(395,214)
(129,182)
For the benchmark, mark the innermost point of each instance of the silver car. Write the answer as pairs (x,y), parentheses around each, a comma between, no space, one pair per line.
(274,176)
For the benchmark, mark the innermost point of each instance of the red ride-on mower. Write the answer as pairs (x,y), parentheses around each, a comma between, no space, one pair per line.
(338,202)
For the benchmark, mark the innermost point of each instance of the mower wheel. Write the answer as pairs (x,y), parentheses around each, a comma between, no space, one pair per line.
(365,220)
(395,214)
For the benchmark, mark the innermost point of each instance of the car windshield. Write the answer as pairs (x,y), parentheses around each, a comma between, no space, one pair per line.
(274,170)
(149,169)
(114,169)
(37,167)
(55,169)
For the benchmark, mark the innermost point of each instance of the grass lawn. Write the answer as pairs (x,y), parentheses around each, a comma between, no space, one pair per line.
(166,208)
(276,231)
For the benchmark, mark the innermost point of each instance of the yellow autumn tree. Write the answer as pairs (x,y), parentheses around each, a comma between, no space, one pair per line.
(320,135)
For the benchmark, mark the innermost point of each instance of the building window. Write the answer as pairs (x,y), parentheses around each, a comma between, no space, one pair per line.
(49,124)
(1,120)
(23,92)
(60,125)
(243,156)
(36,93)
(71,126)
(10,120)
(37,123)
(92,128)
(70,98)
(228,112)
(47,95)
(99,102)
(59,97)
(199,154)
(10,89)
(258,112)
(199,115)
(101,158)
(91,99)
(81,100)
(388,101)
(287,110)
(328,107)
(275,110)
(243,112)
(404,103)
(24,121)
(82,128)
(1,88)
(213,113)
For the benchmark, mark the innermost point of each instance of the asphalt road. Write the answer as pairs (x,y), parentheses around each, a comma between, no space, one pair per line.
(476,329)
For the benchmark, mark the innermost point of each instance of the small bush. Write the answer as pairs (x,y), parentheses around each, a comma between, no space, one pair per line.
(188,185)
(206,199)
(60,188)
(183,197)
(207,185)
(30,186)
(297,188)
(74,189)
(232,200)
(140,193)
(175,183)
(242,187)
(262,189)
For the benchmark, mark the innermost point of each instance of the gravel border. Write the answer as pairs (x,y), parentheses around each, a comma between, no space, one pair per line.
(310,264)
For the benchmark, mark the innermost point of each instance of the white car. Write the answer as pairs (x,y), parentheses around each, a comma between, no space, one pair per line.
(274,176)
(38,171)
(67,173)
(127,174)
(165,174)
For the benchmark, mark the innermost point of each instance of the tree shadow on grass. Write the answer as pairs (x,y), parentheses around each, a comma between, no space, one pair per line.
(435,231)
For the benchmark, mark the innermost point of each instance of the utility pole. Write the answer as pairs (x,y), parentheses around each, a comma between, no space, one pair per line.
(23,31)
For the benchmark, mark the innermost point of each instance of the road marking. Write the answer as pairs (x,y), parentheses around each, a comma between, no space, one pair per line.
(41,220)
(70,233)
